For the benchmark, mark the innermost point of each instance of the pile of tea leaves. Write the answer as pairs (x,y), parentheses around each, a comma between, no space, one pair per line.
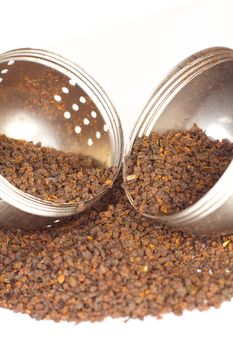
(168,172)
(50,174)
(111,261)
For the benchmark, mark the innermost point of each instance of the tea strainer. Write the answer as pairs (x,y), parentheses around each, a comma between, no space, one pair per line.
(198,90)
(46,98)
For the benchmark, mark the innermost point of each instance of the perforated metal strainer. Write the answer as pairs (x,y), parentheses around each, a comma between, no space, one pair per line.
(46,98)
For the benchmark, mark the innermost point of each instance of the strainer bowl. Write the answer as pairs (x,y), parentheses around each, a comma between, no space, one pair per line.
(199,91)
(48,99)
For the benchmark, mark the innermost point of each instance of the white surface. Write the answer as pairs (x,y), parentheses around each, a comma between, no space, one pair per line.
(127,46)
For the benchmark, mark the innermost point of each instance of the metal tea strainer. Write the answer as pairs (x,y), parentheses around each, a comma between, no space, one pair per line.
(198,90)
(46,98)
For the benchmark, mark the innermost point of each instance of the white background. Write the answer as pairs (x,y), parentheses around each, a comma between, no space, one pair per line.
(127,46)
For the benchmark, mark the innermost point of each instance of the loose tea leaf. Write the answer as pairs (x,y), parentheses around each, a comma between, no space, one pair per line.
(110,261)
(169,172)
(51,174)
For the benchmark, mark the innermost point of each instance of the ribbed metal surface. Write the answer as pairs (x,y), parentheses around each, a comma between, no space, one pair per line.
(198,90)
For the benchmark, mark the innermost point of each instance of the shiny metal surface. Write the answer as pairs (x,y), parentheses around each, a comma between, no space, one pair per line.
(198,90)
(46,98)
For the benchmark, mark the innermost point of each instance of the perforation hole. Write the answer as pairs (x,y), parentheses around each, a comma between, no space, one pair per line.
(86,121)
(93,114)
(77,129)
(4,71)
(90,142)
(106,127)
(82,99)
(67,115)
(1,80)
(65,90)
(56,220)
(11,62)
(75,107)
(72,82)
(49,226)
(98,135)
(57,98)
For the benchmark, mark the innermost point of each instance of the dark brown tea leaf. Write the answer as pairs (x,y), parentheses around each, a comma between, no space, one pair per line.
(169,172)
(50,174)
